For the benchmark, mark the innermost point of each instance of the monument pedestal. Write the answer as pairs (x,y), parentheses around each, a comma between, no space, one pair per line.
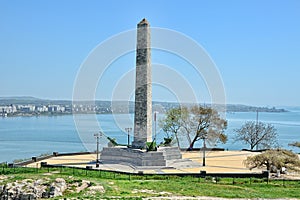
(138,157)
(136,144)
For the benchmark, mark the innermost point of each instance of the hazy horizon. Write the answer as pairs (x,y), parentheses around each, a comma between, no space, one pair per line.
(57,99)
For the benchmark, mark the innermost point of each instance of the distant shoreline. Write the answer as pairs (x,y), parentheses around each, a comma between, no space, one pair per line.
(107,113)
(33,107)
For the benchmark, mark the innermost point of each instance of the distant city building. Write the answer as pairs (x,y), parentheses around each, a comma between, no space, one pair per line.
(27,108)
(68,109)
(8,109)
(41,108)
(56,108)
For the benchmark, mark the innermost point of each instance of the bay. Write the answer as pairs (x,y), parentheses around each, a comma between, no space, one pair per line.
(24,137)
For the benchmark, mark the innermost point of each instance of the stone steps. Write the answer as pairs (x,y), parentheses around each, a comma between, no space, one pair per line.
(139,157)
(183,163)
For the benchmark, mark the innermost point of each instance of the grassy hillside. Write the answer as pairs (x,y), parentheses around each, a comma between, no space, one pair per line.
(136,187)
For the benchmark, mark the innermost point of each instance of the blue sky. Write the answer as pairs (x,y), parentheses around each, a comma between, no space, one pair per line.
(255,44)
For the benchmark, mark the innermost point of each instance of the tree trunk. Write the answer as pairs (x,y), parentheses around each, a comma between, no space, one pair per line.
(192,143)
(189,138)
(177,140)
(252,146)
(188,135)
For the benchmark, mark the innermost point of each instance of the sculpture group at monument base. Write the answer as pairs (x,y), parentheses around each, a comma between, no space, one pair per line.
(138,157)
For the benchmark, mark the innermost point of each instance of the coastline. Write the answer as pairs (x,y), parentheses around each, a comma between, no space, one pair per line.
(35,114)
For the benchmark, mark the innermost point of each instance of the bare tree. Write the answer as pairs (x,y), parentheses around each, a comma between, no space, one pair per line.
(186,124)
(257,135)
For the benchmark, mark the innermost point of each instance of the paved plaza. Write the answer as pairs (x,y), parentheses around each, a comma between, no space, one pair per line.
(216,162)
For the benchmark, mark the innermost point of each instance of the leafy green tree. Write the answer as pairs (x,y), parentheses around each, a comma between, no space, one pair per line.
(172,123)
(274,160)
(257,135)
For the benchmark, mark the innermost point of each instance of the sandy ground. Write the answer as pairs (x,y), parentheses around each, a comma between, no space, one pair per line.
(216,161)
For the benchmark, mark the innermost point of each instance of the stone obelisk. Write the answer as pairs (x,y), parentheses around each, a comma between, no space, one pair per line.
(143,115)
(143,88)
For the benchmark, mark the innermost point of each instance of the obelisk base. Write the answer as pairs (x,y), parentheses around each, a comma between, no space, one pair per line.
(139,144)
(138,157)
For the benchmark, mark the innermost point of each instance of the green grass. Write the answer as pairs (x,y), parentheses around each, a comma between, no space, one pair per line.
(119,185)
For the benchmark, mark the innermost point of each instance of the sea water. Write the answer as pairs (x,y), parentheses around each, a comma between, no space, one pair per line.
(24,137)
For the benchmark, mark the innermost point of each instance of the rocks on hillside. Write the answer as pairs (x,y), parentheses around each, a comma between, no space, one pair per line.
(29,189)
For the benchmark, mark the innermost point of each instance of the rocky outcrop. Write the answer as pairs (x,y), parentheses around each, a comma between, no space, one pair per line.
(29,189)
(55,189)
(19,190)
